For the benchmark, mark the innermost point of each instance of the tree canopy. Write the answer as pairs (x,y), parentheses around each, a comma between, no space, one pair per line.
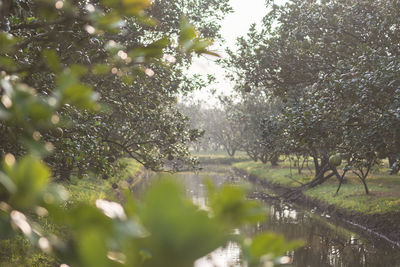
(111,48)
(334,66)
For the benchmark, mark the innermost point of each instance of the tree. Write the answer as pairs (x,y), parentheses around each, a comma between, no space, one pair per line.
(254,114)
(224,131)
(332,63)
(141,120)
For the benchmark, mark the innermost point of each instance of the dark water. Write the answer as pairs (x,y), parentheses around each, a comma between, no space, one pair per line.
(327,243)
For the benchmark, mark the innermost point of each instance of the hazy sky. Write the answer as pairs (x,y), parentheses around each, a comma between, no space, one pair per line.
(235,25)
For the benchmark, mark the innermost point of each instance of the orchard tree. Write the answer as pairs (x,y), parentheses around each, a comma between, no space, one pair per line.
(333,64)
(199,118)
(224,131)
(254,114)
(114,56)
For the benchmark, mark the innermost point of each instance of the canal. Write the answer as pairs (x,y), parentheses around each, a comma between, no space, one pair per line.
(327,241)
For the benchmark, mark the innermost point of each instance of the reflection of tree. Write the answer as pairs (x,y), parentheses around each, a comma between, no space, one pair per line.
(325,245)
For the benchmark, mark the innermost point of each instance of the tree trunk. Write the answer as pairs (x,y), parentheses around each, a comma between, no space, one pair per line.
(365,186)
(317,168)
(341,180)
(392,160)
(308,167)
(318,180)
(300,167)
(231,152)
(65,170)
(251,155)
(263,160)
(320,177)
(274,160)
(363,174)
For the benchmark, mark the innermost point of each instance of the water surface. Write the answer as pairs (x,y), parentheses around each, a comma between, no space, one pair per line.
(328,243)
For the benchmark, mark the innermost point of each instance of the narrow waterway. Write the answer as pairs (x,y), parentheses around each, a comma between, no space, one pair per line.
(327,243)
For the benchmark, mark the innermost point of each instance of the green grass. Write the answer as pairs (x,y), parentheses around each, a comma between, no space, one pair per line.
(87,189)
(219,157)
(221,161)
(132,168)
(91,188)
(218,154)
(352,197)
(384,189)
(19,252)
(278,175)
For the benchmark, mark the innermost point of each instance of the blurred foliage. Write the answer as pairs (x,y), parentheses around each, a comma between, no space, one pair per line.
(151,232)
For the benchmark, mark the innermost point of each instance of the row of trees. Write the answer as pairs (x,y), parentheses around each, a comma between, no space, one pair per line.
(217,132)
(237,126)
(321,79)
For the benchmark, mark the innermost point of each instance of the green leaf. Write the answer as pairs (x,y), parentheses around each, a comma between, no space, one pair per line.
(230,205)
(4,115)
(135,7)
(7,63)
(268,244)
(180,233)
(187,34)
(72,91)
(30,20)
(92,249)
(52,60)
(101,69)
(151,51)
(78,70)
(31,177)
(190,42)
(7,42)
(80,95)
(40,110)
(7,183)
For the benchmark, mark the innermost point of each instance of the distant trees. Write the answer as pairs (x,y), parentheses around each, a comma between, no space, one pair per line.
(253,114)
(218,130)
(334,67)
(246,125)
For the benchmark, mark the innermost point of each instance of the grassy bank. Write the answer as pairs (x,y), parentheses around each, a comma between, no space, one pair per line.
(384,196)
(279,175)
(91,188)
(17,251)
(219,157)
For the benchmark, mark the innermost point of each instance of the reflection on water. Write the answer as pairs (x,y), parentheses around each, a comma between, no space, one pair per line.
(228,256)
(326,243)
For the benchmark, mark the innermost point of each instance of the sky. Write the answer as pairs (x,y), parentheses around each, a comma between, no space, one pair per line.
(234,25)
